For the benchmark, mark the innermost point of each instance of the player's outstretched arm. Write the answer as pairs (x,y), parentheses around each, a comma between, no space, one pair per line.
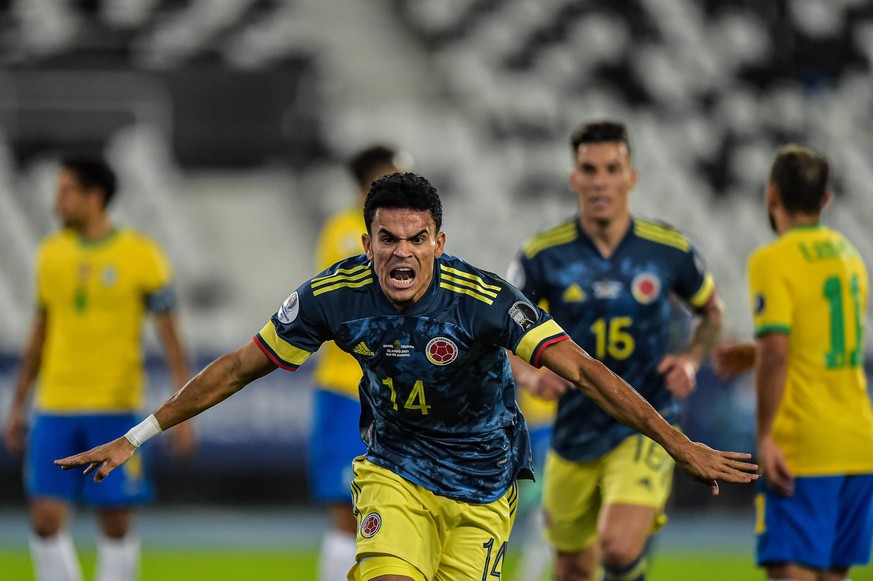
(219,380)
(622,402)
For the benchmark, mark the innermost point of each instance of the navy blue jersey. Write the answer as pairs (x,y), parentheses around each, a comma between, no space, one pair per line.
(617,309)
(437,394)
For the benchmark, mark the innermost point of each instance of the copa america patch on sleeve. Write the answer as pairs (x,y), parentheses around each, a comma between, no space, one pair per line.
(760,303)
(523,314)
(289,309)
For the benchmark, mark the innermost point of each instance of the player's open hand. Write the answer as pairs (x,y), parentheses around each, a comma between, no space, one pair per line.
(708,466)
(104,458)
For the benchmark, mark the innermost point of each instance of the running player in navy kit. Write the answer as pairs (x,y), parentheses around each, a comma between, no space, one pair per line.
(607,277)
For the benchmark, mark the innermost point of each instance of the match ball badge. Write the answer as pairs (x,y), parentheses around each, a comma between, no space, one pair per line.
(441,351)
(371,525)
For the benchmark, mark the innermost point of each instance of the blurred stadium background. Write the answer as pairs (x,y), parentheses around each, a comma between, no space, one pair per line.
(229,121)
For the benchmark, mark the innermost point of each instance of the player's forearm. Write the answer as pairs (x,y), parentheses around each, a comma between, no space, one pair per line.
(625,404)
(30,362)
(216,382)
(174,351)
(771,370)
(707,332)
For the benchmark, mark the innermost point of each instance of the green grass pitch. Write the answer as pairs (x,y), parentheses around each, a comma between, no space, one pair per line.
(234,565)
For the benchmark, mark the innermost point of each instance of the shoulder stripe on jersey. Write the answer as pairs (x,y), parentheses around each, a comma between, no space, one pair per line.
(702,296)
(282,353)
(558,235)
(343,284)
(343,278)
(477,279)
(532,344)
(764,329)
(662,235)
(466,291)
(340,273)
(471,285)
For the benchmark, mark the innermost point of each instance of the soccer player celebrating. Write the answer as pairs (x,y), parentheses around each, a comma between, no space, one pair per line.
(435,493)
(607,278)
(808,293)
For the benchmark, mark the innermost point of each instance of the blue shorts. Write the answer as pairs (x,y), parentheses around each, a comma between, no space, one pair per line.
(826,523)
(334,442)
(57,436)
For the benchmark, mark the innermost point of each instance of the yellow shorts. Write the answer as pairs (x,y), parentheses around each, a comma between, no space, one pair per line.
(638,472)
(404,529)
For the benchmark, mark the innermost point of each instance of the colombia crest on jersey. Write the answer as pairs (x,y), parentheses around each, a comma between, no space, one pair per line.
(437,396)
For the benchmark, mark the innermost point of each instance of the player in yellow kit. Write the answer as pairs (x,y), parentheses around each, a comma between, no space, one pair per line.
(808,292)
(335,439)
(94,284)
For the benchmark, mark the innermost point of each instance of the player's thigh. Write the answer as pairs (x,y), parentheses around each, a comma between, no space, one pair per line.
(52,437)
(571,502)
(639,473)
(334,442)
(476,537)
(129,484)
(396,523)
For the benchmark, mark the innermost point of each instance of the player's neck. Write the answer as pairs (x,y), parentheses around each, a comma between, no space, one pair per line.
(799,221)
(606,235)
(97,228)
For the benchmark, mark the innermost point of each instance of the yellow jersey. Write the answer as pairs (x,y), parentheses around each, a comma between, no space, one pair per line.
(340,238)
(95,296)
(811,284)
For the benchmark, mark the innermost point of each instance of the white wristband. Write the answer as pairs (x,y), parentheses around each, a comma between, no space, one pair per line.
(143,431)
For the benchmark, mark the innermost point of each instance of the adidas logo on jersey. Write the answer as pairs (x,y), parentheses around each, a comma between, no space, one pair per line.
(362,349)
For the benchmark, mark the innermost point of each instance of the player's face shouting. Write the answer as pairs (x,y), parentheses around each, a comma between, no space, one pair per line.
(602,179)
(403,247)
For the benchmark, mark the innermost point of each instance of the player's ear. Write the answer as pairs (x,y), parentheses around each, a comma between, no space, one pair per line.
(635,176)
(368,249)
(573,179)
(829,197)
(440,244)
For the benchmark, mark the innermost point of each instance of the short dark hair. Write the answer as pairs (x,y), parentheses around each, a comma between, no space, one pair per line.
(802,177)
(600,132)
(92,172)
(404,191)
(366,162)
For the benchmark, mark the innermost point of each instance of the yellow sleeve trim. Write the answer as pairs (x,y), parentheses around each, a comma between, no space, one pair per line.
(529,346)
(702,296)
(287,353)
